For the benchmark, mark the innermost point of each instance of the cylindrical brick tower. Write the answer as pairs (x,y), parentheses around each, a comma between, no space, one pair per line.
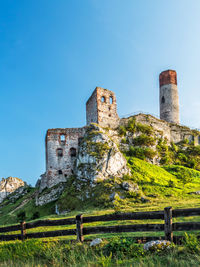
(169,100)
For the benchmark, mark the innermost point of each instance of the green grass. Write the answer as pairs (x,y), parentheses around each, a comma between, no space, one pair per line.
(154,182)
(166,182)
(114,252)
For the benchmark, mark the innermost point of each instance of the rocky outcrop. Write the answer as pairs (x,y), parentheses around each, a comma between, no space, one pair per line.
(49,195)
(10,185)
(99,157)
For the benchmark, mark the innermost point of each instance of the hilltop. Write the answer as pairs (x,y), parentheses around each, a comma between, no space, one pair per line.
(130,167)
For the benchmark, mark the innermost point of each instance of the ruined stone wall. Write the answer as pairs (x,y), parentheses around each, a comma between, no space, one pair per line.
(61,150)
(91,109)
(101,108)
(173,132)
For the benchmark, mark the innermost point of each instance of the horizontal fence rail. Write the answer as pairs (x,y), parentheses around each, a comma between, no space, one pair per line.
(125,216)
(124,228)
(80,229)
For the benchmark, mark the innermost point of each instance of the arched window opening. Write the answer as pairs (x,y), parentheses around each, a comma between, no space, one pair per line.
(73,152)
(109,115)
(111,99)
(163,100)
(60,152)
(103,99)
(60,172)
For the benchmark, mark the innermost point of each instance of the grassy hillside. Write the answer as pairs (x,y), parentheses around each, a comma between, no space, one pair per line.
(160,186)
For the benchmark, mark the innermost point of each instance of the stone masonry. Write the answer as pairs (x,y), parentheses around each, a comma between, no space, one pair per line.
(61,150)
(169,100)
(101,108)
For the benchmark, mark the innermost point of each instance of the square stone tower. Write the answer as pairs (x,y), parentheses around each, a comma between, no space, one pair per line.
(101,108)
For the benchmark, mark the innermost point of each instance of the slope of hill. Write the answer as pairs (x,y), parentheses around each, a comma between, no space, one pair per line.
(133,167)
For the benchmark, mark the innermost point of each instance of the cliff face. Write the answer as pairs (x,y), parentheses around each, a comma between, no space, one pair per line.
(9,185)
(99,157)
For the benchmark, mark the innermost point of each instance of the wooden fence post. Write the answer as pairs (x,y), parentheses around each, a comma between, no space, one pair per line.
(23,230)
(79,228)
(168,223)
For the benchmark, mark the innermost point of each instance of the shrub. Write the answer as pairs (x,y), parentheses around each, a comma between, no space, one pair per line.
(21,216)
(171,183)
(121,248)
(143,128)
(131,127)
(124,141)
(173,147)
(141,153)
(122,130)
(36,215)
(144,140)
(150,153)
(137,152)
(191,243)
(182,157)
(165,160)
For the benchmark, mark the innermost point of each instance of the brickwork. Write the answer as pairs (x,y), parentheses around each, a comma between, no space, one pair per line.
(168,77)
(101,108)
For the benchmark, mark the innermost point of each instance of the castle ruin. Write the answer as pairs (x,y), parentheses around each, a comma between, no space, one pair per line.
(101,108)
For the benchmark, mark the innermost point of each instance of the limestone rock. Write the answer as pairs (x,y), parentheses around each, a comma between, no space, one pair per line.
(115,195)
(99,157)
(195,193)
(129,186)
(49,195)
(96,242)
(153,245)
(10,185)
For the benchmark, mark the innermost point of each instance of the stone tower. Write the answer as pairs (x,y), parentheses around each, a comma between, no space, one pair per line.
(169,100)
(101,108)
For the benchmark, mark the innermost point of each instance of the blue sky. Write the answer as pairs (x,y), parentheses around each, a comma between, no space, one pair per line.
(54,53)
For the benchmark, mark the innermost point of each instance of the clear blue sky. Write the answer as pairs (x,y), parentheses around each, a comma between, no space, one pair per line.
(53,53)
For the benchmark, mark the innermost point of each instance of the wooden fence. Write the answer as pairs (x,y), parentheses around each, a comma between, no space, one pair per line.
(80,231)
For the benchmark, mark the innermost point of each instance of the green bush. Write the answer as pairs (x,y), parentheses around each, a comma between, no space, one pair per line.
(191,243)
(122,130)
(131,126)
(144,128)
(21,216)
(182,157)
(124,141)
(144,140)
(121,248)
(36,215)
(171,183)
(141,153)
